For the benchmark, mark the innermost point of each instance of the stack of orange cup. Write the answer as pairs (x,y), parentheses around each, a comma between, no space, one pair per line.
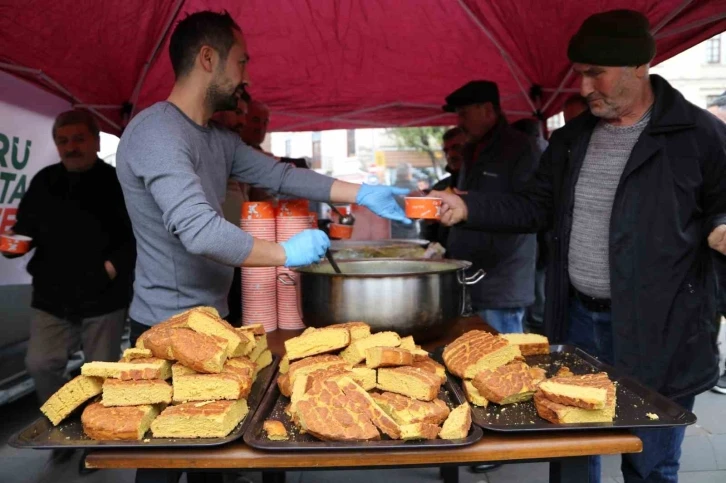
(259,286)
(293,216)
(313,220)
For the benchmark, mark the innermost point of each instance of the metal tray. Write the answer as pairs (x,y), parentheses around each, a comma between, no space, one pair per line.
(273,407)
(41,434)
(633,402)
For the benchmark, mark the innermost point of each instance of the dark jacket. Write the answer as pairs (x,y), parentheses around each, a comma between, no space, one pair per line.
(670,197)
(504,164)
(77,222)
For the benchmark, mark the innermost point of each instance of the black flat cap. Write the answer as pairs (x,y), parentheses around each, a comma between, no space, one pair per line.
(616,38)
(474,92)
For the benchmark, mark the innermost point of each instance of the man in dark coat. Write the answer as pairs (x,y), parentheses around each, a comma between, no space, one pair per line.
(635,191)
(497,159)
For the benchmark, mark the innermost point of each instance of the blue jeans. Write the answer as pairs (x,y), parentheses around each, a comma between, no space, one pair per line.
(504,321)
(658,463)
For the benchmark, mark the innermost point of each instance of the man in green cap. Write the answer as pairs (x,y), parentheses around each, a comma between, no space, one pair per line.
(635,192)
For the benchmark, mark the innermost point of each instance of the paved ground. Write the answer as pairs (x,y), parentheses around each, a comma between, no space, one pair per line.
(703,460)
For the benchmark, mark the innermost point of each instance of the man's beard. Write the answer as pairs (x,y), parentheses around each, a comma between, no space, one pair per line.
(219,99)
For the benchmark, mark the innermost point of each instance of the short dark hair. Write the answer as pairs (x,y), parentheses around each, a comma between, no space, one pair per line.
(452,133)
(76,116)
(576,99)
(530,127)
(195,30)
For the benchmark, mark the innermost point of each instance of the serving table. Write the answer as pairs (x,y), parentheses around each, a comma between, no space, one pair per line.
(567,452)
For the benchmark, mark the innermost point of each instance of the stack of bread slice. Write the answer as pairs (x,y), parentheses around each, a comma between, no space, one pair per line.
(347,384)
(187,377)
(588,398)
(492,367)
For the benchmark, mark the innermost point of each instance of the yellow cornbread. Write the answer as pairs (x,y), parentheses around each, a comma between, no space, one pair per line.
(457,424)
(71,396)
(158,369)
(208,419)
(473,395)
(355,353)
(317,341)
(135,393)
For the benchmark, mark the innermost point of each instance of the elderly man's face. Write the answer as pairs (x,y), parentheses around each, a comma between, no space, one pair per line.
(476,119)
(453,151)
(77,147)
(610,91)
(719,112)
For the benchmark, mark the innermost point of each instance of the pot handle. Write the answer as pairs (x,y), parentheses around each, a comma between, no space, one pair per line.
(464,280)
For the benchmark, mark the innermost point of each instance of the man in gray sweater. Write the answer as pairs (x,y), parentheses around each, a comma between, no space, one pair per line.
(173,167)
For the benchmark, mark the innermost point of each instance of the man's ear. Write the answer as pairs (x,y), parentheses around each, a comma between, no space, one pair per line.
(207,58)
(642,71)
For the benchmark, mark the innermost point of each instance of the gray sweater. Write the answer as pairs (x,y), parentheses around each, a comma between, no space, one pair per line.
(174,175)
(607,154)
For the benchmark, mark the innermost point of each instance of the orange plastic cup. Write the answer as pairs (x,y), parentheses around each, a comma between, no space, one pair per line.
(423,208)
(257,210)
(293,208)
(313,220)
(340,232)
(15,244)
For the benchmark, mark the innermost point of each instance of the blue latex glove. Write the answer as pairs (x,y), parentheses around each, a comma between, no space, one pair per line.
(380,200)
(305,248)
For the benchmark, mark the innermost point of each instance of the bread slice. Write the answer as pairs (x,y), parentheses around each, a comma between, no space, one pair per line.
(158,340)
(126,423)
(178,370)
(420,355)
(317,341)
(365,377)
(430,365)
(275,430)
(414,431)
(324,412)
(476,351)
(256,329)
(316,363)
(284,384)
(355,353)
(564,371)
(200,352)
(204,323)
(358,330)
(508,384)
(260,346)
(409,381)
(135,353)
(387,357)
(538,375)
(559,413)
(473,395)
(70,397)
(573,395)
(529,344)
(263,361)
(234,382)
(284,364)
(137,369)
(408,343)
(208,419)
(135,393)
(458,423)
(361,401)
(405,410)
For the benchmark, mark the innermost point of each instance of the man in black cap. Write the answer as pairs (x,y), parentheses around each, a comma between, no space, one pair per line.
(497,159)
(636,194)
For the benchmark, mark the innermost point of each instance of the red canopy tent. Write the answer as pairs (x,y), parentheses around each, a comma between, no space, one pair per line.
(327,64)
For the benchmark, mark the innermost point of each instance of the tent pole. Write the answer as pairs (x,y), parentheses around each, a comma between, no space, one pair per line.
(510,63)
(49,80)
(98,106)
(137,89)
(671,16)
(692,25)
(558,90)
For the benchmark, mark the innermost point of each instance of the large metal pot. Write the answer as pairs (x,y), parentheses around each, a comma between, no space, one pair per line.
(421,298)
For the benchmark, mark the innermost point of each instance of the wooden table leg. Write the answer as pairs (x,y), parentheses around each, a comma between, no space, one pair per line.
(273,477)
(144,475)
(570,470)
(450,474)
